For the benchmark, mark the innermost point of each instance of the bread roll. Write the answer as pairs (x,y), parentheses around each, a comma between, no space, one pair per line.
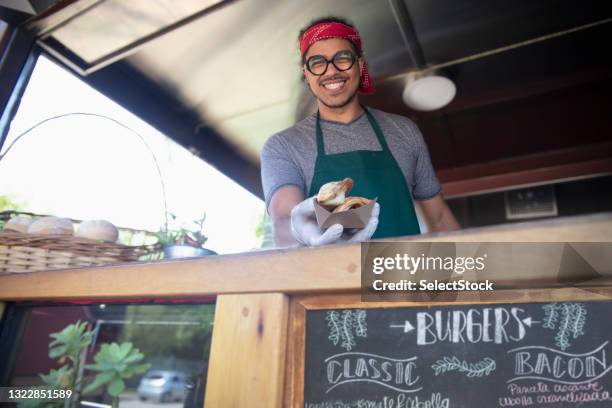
(333,194)
(51,226)
(101,230)
(351,203)
(19,223)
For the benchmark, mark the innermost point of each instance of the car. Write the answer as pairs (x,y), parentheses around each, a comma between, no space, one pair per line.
(163,386)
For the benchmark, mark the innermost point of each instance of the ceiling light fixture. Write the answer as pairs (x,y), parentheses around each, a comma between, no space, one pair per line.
(428,92)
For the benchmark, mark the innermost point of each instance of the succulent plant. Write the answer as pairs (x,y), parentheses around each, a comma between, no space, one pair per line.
(114,363)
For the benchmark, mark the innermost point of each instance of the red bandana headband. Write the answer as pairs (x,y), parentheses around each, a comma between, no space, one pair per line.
(324,31)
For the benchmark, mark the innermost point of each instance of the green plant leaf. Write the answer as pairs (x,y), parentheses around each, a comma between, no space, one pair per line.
(91,387)
(57,352)
(114,362)
(114,352)
(100,380)
(124,350)
(105,377)
(70,342)
(135,369)
(58,378)
(116,387)
(133,358)
(57,340)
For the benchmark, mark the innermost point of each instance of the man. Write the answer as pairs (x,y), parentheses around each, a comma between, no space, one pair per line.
(384,154)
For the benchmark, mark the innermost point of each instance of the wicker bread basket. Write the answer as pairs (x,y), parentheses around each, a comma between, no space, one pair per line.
(21,252)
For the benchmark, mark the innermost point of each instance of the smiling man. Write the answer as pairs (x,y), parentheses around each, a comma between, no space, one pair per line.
(384,154)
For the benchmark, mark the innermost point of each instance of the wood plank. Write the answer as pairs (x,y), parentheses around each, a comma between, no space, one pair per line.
(296,349)
(526,178)
(247,356)
(293,271)
(536,161)
(498,296)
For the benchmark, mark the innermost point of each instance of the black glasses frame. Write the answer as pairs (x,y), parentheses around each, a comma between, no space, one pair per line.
(327,62)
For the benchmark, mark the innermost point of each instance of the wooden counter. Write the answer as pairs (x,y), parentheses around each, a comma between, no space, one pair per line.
(291,271)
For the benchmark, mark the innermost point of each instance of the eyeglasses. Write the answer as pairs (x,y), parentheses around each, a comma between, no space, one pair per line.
(342,60)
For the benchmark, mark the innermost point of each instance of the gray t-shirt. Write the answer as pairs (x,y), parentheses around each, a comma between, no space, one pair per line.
(288,157)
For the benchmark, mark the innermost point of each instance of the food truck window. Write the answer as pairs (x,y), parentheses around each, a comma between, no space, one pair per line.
(164,350)
(85,157)
(564,198)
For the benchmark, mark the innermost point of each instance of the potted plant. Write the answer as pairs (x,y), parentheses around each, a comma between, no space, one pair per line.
(185,242)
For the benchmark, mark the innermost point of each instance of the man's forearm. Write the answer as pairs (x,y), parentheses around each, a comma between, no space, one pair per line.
(437,214)
(446,221)
(282,232)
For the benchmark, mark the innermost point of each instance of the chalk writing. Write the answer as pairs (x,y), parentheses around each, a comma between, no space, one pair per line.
(396,374)
(543,363)
(540,394)
(487,325)
(479,369)
(344,326)
(567,318)
(435,400)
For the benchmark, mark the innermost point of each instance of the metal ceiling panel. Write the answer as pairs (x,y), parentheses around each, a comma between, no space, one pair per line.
(113,24)
(239,67)
(450,29)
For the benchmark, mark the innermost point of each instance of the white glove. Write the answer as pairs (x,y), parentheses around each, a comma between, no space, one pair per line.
(306,231)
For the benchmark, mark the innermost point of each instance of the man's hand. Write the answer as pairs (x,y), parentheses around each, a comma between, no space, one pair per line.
(306,230)
(289,200)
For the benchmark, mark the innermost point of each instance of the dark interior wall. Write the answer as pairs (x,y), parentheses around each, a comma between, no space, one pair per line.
(583,197)
(561,119)
(573,198)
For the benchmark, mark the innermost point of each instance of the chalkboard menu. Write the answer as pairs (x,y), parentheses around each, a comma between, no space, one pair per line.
(483,355)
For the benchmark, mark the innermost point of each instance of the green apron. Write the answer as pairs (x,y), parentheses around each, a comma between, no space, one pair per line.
(375,174)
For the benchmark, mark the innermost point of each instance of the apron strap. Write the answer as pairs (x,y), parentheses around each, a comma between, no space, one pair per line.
(379,134)
(320,145)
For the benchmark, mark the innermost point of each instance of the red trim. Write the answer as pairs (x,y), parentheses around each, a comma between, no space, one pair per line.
(206,299)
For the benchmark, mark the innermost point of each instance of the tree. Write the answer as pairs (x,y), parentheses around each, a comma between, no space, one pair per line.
(7,203)
(189,341)
(263,230)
